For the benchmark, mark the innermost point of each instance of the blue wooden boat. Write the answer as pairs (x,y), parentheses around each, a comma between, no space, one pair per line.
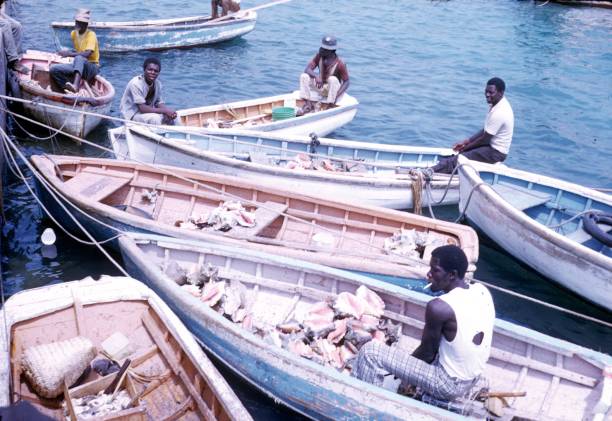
(541,221)
(562,381)
(353,171)
(161,34)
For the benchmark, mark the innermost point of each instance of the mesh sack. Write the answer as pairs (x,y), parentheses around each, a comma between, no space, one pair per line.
(47,366)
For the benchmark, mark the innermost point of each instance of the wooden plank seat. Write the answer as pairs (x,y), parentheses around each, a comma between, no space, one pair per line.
(94,187)
(264,216)
(521,198)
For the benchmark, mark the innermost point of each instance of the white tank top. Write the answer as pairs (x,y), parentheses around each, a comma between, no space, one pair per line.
(461,358)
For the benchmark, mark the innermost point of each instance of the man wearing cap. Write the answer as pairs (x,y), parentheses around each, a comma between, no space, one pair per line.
(86,55)
(332,80)
(226,7)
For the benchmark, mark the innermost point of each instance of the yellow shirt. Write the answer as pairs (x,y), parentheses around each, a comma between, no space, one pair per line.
(87,41)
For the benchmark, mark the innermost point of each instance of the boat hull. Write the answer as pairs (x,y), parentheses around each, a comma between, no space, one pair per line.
(556,257)
(388,191)
(118,37)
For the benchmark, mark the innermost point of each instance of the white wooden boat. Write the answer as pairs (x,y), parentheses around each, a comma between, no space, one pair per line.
(36,86)
(169,376)
(160,34)
(358,172)
(120,193)
(537,220)
(256,114)
(562,381)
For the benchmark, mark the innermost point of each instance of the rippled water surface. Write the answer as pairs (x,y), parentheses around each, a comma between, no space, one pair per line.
(418,69)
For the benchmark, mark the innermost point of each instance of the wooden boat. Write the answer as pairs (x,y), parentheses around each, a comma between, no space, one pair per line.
(169,376)
(37,87)
(537,220)
(562,381)
(256,114)
(160,34)
(357,172)
(288,223)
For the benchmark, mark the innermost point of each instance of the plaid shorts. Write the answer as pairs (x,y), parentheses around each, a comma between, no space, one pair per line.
(376,360)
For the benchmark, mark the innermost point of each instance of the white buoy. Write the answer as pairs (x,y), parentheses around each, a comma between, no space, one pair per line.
(48,237)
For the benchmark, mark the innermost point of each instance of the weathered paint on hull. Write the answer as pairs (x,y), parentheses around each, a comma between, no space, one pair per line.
(74,123)
(535,247)
(121,40)
(393,195)
(333,397)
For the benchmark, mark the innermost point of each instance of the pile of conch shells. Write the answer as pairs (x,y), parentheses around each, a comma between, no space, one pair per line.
(329,332)
(223,218)
(99,405)
(410,243)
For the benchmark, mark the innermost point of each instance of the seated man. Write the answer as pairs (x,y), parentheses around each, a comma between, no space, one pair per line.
(86,53)
(456,340)
(142,100)
(11,41)
(226,7)
(492,143)
(331,81)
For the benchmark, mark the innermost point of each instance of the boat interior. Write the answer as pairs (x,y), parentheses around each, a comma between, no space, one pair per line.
(289,221)
(551,207)
(559,385)
(232,115)
(161,381)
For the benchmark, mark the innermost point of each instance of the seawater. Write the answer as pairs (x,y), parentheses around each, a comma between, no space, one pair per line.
(418,69)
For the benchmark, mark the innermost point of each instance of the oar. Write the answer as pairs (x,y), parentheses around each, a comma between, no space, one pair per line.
(252,9)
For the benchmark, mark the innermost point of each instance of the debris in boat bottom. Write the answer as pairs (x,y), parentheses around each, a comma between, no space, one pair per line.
(223,218)
(95,406)
(410,243)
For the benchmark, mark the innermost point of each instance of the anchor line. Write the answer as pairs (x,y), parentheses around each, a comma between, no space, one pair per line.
(518,295)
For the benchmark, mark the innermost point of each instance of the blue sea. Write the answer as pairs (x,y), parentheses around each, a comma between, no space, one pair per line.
(418,69)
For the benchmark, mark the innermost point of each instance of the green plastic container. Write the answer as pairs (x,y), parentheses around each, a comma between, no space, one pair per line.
(282,113)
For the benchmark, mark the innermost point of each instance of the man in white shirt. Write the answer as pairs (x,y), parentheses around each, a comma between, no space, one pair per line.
(492,143)
(456,340)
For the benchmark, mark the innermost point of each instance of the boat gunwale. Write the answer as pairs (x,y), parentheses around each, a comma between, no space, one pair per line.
(522,218)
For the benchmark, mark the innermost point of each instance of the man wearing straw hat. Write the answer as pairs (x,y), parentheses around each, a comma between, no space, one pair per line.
(332,80)
(86,53)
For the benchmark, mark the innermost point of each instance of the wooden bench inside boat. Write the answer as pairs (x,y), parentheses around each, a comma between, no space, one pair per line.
(264,216)
(96,185)
(521,198)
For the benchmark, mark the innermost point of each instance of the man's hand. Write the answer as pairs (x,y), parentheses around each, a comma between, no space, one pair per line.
(318,81)
(63,53)
(460,146)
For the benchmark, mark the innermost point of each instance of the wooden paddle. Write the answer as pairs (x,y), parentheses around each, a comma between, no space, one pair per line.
(252,9)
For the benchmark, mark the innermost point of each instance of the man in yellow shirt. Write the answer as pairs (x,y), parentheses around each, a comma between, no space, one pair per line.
(86,53)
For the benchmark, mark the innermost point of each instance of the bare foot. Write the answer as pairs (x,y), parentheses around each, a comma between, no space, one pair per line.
(70,87)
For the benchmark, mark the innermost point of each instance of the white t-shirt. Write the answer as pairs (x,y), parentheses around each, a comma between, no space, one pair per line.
(500,124)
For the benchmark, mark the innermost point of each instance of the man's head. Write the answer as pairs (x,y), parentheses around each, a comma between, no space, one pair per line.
(151,67)
(81,20)
(329,44)
(448,265)
(494,90)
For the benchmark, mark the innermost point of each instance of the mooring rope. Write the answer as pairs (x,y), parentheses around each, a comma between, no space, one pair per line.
(504,290)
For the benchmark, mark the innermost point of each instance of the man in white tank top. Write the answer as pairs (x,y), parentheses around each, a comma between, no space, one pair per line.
(456,340)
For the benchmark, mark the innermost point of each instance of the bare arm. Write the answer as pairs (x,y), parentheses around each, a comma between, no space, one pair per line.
(158,109)
(478,139)
(436,315)
(73,53)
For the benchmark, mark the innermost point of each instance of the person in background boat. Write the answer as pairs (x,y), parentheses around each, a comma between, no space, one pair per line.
(142,100)
(11,41)
(226,6)
(492,143)
(330,82)
(456,340)
(86,53)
